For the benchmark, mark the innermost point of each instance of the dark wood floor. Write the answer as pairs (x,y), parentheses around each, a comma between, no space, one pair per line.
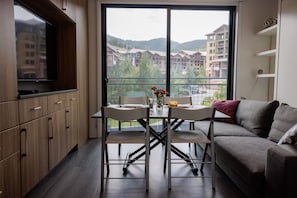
(78,176)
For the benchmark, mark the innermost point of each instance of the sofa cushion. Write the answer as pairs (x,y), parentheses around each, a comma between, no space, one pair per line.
(290,137)
(227,107)
(256,116)
(243,159)
(224,129)
(285,117)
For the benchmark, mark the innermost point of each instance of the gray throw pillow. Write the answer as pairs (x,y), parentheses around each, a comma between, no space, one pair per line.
(256,116)
(285,117)
(290,137)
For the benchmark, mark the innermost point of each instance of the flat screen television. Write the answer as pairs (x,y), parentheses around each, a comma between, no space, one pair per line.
(35,45)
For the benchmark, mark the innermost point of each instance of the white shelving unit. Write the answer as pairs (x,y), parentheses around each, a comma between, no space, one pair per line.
(271,54)
(268,32)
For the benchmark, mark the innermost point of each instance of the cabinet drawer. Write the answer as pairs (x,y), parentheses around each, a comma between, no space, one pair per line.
(9,115)
(32,108)
(10,142)
(56,102)
(72,98)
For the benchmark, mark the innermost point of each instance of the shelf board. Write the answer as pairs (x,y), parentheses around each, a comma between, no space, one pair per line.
(268,31)
(265,75)
(267,53)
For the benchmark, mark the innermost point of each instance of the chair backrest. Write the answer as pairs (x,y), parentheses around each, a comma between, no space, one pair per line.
(181,100)
(125,114)
(133,100)
(192,113)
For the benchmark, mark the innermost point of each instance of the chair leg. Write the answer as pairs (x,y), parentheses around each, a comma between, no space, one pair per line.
(165,157)
(107,161)
(203,158)
(102,167)
(213,164)
(169,165)
(195,147)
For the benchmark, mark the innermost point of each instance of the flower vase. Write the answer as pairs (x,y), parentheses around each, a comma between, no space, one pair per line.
(159,104)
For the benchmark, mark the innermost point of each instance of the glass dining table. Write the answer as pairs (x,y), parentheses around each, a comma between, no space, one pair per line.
(159,137)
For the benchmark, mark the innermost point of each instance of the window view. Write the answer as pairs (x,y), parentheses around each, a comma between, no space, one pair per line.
(140,55)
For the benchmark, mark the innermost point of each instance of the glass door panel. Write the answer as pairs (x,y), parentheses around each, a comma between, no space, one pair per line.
(135,51)
(199,54)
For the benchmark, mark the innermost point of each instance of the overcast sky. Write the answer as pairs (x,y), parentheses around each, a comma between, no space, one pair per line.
(22,14)
(146,24)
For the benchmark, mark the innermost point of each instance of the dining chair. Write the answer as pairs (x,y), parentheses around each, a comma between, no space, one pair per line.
(183,100)
(110,136)
(128,100)
(176,135)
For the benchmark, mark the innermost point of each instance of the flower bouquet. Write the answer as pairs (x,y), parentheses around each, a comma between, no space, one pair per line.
(159,93)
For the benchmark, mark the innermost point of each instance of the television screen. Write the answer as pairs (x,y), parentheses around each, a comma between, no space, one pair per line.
(35,44)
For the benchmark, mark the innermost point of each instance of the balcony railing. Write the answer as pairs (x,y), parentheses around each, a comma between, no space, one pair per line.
(202,90)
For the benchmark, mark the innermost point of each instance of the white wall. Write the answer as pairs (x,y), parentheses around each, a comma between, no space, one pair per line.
(252,14)
(287,74)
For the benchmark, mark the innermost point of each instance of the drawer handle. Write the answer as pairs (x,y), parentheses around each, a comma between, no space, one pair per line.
(51,128)
(59,102)
(23,142)
(73,99)
(36,108)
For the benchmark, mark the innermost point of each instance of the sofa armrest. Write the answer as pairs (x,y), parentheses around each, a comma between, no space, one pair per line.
(281,171)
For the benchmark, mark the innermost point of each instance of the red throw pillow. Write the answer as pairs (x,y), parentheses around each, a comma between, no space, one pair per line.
(227,107)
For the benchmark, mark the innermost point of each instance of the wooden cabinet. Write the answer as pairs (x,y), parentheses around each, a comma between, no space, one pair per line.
(8,70)
(57,138)
(32,108)
(10,177)
(9,150)
(9,115)
(34,152)
(71,113)
(62,126)
(10,163)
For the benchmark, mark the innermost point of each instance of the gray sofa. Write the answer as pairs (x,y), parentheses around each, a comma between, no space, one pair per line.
(249,153)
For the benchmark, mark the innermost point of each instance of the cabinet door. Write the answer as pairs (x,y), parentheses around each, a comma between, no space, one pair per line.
(8,71)
(71,127)
(57,138)
(34,152)
(10,177)
(9,114)
(72,120)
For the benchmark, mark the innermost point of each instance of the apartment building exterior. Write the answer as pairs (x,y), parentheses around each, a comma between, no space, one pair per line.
(217,52)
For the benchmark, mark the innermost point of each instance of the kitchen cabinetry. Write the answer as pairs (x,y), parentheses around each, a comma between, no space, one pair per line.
(72,120)
(8,71)
(33,140)
(62,126)
(10,163)
(9,150)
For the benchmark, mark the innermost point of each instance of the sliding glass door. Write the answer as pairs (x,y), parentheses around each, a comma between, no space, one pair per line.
(185,50)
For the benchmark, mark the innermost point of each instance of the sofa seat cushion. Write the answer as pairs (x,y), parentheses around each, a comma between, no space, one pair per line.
(256,116)
(243,160)
(224,129)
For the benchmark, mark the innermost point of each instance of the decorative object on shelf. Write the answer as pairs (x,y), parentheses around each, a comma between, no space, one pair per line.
(159,93)
(270,22)
(260,71)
